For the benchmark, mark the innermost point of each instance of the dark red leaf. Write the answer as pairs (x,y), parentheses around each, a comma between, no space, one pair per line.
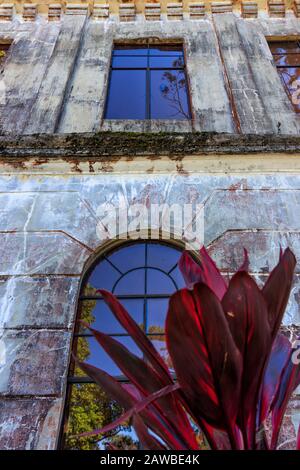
(148,441)
(278,358)
(245,265)
(126,397)
(277,289)
(289,380)
(217,439)
(207,363)
(205,271)
(138,407)
(112,387)
(148,381)
(137,334)
(298,439)
(247,316)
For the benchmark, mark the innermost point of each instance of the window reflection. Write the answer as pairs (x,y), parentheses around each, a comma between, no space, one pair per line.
(286,56)
(3,52)
(91,408)
(148,83)
(142,275)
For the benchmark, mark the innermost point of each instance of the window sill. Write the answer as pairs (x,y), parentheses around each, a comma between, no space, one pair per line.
(147,125)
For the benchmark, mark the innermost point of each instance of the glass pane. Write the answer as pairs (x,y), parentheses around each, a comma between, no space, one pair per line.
(162,256)
(3,52)
(177,277)
(103,276)
(83,418)
(291,78)
(171,49)
(282,47)
(129,257)
(166,62)
(159,283)
(127,95)
(156,315)
(90,351)
(129,62)
(97,314)
(132,283)
(136,309)
(161,346)
(169,95)
(290,59)
(129,50)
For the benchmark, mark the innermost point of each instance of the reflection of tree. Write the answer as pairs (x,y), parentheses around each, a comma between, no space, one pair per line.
(157,335)
(291,79)
(90,407)
(290,75)
(176,85)
(2,56)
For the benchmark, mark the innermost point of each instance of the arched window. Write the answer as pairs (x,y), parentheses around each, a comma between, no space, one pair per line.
(142,275)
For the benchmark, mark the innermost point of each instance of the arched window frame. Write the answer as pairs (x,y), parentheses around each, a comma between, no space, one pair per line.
(104,254)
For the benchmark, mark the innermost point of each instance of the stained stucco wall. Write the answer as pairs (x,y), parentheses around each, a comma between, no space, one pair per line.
(56,73)
(48,236)
(55,81)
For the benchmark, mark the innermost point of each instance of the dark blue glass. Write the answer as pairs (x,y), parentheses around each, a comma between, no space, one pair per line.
(97,356)
(134,62)
(128,257)
(129,51)
(169,95)
(156,315)
(132,283)
(159,283)
(166,50)
(162,256)
(103,276)
(148,83)
(103,319)
(127,95)
(166,62)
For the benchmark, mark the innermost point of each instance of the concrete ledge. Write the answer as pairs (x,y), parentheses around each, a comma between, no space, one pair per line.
(105,144)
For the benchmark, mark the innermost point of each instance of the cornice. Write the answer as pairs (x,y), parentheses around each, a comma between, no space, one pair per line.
(150,11)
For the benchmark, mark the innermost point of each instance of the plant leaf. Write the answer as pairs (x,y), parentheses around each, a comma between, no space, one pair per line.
(245,265)
(127,399)
(207,364)
(289,381)
(247,317)
(205,271)
(278,358)
(140,374)
(137,408)
(148,441)
(137,334)
(277,289)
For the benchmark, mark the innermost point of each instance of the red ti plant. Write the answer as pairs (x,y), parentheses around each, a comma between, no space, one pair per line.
(233,368)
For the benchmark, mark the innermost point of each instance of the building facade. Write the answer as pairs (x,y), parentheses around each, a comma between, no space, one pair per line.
(62,156)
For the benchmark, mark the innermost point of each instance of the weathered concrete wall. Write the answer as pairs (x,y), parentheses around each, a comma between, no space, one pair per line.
(56,74)
(56,77)
(48,235)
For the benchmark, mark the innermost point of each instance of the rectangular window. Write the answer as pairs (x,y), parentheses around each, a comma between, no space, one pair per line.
(3,51)
(286,55)
(148,82)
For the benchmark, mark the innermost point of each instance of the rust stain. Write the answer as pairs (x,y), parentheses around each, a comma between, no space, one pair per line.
(181,170)
(234,112)
(91,167)
(40,161)
(153,157)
